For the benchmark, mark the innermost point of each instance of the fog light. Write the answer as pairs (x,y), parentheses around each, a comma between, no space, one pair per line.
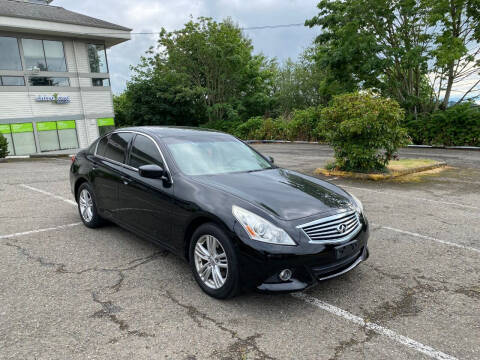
(285,275)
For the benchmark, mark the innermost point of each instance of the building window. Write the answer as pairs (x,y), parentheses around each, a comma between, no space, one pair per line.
(57,135)
(97,58)
(48,81)
(12,81)
(101,82)
(23,138)
(105,125)
(44,55)
(6,131)
(10,54)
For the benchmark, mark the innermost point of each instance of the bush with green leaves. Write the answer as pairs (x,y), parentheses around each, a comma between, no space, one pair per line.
(457,125)
(364,130)
(3,146)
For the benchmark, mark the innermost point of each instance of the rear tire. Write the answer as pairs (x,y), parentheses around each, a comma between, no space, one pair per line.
(214,262)
(87,207)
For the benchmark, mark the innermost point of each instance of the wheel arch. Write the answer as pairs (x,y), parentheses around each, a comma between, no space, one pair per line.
(78,183)
(194,224)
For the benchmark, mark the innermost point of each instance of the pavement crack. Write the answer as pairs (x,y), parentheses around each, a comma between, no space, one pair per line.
(242,348)
(60,268)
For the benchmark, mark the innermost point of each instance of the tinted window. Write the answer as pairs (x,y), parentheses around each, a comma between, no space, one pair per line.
(117,146)
(102,145)
(10,55)
(55,56)
(101,82)
(144,152)
(48,81)
(13,81)
(97,58)
(44,55)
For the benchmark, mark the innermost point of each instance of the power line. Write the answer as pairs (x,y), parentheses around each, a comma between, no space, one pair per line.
(245,28)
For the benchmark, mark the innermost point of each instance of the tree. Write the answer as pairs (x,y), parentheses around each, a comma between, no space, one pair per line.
(397,46)
(456,51)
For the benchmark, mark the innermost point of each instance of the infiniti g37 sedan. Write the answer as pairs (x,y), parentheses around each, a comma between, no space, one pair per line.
(240,221)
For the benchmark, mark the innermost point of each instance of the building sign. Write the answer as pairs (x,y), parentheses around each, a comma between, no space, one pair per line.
(5,129)
(22,127)
(55,98)
(46,126)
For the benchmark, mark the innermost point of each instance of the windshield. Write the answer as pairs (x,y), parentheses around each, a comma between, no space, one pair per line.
(214,156)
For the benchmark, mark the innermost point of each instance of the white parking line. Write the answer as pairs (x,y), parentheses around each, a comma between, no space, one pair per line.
(71,202)
(444,242)
(9,236)
(413,197)
(415,345)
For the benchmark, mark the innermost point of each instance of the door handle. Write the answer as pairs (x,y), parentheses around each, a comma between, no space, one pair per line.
(126,180)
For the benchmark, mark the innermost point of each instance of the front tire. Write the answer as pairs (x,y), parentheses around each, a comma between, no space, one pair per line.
(214,263)
(87,207)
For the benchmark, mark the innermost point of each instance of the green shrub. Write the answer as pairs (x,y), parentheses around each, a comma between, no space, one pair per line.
(304,125)
(364,131)
(222,125)
(249,128)
(3,146)
(457,125)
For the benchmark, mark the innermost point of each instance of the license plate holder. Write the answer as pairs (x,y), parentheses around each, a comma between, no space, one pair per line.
(346,250)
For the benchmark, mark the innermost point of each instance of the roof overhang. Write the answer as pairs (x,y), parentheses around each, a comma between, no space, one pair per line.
(37,27)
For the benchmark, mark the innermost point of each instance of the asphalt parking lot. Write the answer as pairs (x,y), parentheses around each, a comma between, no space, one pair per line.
(69,292)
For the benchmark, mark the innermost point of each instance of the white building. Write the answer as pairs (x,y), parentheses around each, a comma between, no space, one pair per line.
(54,81)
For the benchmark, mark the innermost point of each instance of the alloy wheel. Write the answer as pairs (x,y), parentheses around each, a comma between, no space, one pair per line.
(86,205)
(211,261)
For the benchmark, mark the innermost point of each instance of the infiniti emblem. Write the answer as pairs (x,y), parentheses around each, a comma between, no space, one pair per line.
(341,228)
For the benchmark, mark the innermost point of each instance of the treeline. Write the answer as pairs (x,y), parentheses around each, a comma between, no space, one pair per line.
(414,52)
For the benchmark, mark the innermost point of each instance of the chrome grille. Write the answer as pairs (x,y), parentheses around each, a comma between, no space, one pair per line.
(333,229)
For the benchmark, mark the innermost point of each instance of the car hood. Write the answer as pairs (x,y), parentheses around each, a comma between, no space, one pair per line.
(283,193)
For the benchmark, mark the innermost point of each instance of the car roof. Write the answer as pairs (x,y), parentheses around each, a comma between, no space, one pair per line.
(173,131)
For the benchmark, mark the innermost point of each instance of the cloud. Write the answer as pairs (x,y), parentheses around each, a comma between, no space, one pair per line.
(152,15)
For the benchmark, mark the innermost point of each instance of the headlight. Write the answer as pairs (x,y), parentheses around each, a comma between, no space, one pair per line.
(260,229)
(358,204)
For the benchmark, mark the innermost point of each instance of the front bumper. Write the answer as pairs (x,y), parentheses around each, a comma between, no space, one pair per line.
(260,270)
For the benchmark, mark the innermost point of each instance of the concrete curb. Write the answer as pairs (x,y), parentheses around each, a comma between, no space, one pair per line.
(376,177)
(469,148)
(34,157)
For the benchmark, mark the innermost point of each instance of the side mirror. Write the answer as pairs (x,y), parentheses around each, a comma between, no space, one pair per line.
(270,159)
(151,171)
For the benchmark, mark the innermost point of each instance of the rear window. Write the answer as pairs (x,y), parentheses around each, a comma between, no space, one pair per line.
(114,146)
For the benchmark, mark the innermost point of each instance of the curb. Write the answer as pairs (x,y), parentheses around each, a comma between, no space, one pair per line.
(34,157)
(376,177)
(469,148)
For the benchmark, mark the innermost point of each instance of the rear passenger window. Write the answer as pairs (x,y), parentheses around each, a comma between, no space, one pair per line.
(144,152)
(116,148)
(102,145)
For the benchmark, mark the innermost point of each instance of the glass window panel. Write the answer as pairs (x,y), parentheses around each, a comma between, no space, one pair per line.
(97,58)
(33,54)
(55,56)
(102,146)
(48,81)
(24,143)
(117,146)
(48,140)
(10,54)
(102,130)
(144,152)
(101,82)
(68,139)
(13,81)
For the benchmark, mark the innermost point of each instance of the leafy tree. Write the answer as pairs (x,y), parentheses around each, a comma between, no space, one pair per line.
(411,50)
(364,130)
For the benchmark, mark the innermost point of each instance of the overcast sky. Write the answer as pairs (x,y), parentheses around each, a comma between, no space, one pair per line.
(152,15)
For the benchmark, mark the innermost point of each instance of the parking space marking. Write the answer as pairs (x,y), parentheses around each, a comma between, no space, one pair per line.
(71,202)
(9,236)
(444,242)
(412,197)
(415,345)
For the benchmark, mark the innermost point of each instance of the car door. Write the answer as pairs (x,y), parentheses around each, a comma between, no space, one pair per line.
(108,170)
(146,204)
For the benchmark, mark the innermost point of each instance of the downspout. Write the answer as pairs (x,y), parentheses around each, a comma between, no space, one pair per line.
(81,93)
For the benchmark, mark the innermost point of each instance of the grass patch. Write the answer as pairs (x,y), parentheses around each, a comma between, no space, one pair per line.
(395,168)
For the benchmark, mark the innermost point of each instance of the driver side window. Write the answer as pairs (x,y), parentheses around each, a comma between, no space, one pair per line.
(144,152)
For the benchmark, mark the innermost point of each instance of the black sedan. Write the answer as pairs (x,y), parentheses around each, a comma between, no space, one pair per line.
(239,220)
